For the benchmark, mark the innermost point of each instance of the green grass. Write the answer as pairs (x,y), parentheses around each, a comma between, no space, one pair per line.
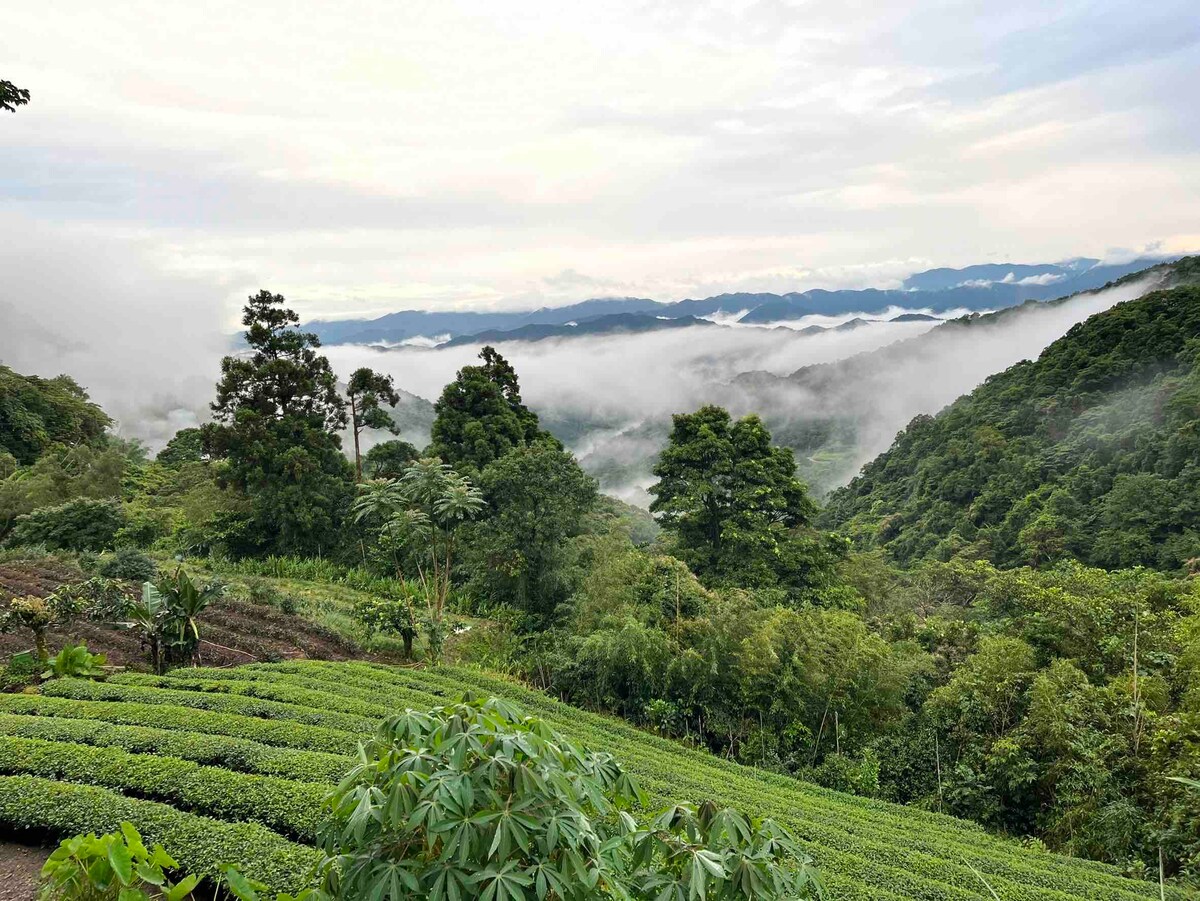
(233,762)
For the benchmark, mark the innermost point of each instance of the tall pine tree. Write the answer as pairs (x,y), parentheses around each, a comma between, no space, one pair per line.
(277,417)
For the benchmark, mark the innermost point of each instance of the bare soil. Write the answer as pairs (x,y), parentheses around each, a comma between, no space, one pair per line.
(233,630)
(19,868)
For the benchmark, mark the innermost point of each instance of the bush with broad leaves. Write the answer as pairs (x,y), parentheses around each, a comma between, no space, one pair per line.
(474,800)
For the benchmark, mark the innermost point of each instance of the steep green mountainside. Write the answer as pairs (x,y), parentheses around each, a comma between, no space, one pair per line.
(1092,451)
(231,766)
(838,416)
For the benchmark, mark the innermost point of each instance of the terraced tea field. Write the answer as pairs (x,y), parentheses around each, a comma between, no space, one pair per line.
(230,766)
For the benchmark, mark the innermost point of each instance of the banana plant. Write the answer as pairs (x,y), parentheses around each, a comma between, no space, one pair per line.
(185,601)
(146,615)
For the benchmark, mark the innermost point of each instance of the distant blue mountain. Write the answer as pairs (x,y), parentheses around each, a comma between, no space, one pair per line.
(989,286)
(595,325)
(944,279)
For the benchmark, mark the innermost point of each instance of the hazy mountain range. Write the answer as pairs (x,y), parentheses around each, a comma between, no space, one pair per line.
(988,286)
(836,394)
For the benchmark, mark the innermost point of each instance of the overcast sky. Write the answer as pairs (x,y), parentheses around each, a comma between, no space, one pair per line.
(367,156)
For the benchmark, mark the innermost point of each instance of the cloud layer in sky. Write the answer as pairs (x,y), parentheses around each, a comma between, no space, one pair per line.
(365,156)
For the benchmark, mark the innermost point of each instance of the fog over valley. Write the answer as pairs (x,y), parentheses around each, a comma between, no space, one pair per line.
(609,397)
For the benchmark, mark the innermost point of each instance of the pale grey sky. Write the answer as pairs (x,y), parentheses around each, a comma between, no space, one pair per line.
(367,156)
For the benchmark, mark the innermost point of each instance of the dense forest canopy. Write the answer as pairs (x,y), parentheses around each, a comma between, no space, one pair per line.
(1089,452)
(36,413)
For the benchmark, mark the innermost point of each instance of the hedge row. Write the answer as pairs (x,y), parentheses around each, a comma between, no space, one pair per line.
(237,754)
(821,818)
(160,736)
(287,691)
(88,690)
(200,844)
(285,805)
(162,716)
(886,836)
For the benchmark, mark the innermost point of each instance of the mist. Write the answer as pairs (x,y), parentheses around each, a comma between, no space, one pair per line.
(144,341)
(871,397)
(609,398)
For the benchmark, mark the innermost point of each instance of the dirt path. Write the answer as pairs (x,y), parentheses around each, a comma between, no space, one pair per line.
(19,867)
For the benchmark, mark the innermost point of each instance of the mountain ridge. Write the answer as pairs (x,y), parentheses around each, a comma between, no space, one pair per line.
(971,288)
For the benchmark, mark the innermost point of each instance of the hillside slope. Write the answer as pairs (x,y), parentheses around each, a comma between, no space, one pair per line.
(1091,451)
(838,416)
(231,765)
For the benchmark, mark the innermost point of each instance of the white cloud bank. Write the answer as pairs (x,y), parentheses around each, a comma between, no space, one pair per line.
(368,155)
(624,388)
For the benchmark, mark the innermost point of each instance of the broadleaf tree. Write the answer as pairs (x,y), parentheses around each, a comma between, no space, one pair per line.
(12,96)
(538,497)
(480,416)
(737,511)
(389,459)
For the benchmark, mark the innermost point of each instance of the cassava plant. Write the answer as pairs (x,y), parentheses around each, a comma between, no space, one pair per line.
(475,800)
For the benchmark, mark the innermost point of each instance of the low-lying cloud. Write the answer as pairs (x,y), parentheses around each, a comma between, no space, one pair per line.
(144,341)
(147,342)
(610,397)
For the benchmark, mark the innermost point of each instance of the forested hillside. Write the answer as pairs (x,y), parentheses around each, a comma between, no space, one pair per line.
(743,653)
(1091,452)
(37,413)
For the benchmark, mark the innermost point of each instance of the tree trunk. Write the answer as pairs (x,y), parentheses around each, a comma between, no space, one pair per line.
(354,429)
(39,639)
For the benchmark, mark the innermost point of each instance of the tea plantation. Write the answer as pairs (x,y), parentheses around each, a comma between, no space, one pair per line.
(231,765)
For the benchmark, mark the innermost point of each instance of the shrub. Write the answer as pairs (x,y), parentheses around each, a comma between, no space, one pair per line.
(475,800)
(103,600)
(38,615)
(74,661)
(261,592)
(393,615)
(129,564)
(855,775)
(83,524)
(117,865)
(21,670)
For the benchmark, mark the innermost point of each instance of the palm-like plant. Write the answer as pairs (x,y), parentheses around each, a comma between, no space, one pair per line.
(166,615)
(422,511)
(146,615)
(185,601)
